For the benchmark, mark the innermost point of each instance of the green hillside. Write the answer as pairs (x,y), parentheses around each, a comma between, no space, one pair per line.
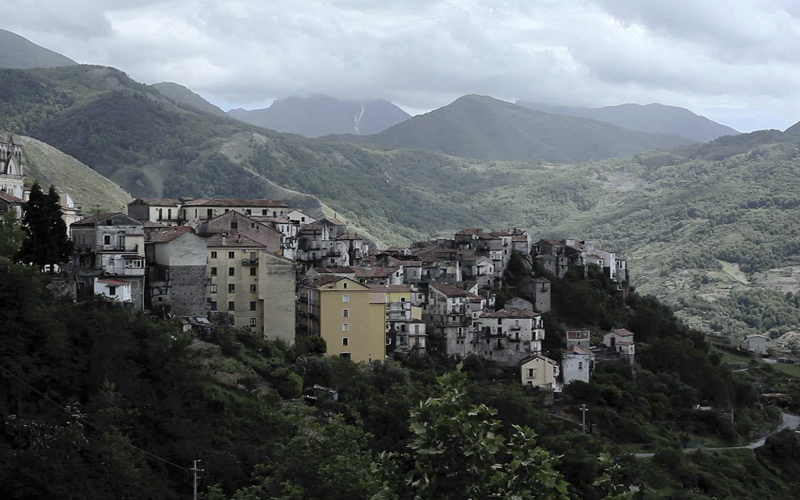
(183,95)
(19,52)
(488,129)
(654,118)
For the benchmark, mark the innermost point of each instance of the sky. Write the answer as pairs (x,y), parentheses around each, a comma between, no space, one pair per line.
(734,61)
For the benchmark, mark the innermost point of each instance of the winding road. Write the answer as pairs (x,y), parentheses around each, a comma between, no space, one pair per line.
(788,421)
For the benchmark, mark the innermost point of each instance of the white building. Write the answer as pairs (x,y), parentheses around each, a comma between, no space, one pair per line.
(755,343)
(114,290)
(298,218)
(612,338)
(576,364)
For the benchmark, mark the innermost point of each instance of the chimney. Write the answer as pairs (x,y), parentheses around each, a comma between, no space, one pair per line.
(224,240)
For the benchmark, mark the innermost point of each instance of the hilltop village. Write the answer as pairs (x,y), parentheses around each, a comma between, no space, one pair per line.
(262,265)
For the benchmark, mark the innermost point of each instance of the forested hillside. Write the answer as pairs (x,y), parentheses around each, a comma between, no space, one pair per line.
(98,400)
(485,128)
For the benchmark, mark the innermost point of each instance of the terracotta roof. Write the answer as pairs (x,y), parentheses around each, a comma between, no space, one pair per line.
(168,234)
(334,270)
(621,332)
(450,290)
(233,241)
(488,236)
(325,279)
(539,356)
(374,272)
(94,219)
(150,223)
(163,202)
(233,202)
(550,241)
(578,334)
(332,221)
(519,238)
(470,231)
(10,198)
(511,313)
(578,350)
(390,288)
(314,226)
(113,282)
(274,220)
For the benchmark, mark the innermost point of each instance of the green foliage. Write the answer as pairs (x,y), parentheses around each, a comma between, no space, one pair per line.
(456,451)
(46,242)
(11,234)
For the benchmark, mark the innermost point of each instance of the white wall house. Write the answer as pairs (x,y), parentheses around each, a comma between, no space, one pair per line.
(113,289)
(755,343)
(576,364)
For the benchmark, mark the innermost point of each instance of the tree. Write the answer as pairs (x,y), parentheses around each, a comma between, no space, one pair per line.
(11,234)
(46,242)
(457,451)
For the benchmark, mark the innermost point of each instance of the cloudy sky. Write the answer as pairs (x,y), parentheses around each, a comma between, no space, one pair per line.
(735,61)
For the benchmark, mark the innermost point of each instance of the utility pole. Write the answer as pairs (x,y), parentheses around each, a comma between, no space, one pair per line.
(584,410)
(195,470)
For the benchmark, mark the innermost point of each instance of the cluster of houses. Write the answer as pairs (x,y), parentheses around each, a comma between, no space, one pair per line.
(261,265)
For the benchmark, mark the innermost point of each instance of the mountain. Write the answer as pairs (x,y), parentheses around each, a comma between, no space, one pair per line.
(20,53)
(485,128)
(653,118)
(794,129)
(182,95)
(322,115)
(712,228)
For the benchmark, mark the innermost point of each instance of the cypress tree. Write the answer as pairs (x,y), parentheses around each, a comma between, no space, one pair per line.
(46,241)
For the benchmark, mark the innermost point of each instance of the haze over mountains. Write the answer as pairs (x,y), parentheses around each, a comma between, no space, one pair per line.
(322,115)
(654,118)
(20,53)
(485,128)
(185,96)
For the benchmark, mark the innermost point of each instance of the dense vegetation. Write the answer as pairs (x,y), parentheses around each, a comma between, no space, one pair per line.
(98,400)
(488,129)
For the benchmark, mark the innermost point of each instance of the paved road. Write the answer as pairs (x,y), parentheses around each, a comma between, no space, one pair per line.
(788,421)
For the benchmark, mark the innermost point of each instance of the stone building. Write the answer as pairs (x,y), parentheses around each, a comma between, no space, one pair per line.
(234,223)
(176,271)
(508,336)
(12,175)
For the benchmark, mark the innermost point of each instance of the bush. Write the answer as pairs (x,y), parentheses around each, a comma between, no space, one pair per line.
(288,384)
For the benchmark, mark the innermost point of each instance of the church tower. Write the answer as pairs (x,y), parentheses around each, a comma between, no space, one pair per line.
(12,176)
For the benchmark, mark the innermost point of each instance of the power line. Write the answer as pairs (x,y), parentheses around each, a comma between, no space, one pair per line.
(87,422)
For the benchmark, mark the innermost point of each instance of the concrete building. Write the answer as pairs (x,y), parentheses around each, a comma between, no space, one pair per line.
(450,312)
(405,331)
(755,343)
(109,246)
(344,313)
(234,223)
(176,271)
(508,336)
(299,218)
(166,211)
(114,289)
(251,287)
(576,364)
(538,371)
(538,291)
(576,338)
(612,338)
(195,211)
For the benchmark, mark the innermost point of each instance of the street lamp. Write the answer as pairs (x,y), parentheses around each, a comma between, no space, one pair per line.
(584,409)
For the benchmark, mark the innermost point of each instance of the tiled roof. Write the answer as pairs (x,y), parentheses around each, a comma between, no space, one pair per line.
(374,272)
(450,290)
(550,241)
(274,220)
(390,288)
(162,202)
(113,282)
(314,226)
(168,234)
(578,334)
(511,313)
(232,202)
(501,233)
(470,231)
(578,350)
(488,236)
(234,241)
(621,332)
(348,236)
(10,198)
(94,219)
(150,223)
(519,239)
(755,335)
(539,356)
(334,270)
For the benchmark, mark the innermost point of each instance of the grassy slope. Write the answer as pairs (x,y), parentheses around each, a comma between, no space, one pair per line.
(489,129)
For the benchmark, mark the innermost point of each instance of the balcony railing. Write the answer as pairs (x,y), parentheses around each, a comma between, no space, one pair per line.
(250,262)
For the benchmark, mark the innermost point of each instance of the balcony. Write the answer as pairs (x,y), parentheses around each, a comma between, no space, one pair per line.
(250,262)
(515,328)
(118,249)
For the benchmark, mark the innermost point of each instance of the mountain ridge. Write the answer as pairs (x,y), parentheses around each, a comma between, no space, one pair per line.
(184,95)
(17,52)
(485,128)
(652,118)
(321,115)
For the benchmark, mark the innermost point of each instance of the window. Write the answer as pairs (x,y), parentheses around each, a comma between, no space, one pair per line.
(231,306)
(252,306)
(234,225)
(402,299)
(169,213)
(253,271)
(345,313)
(213,288)
(344,285)
(231,288)
(345,327)
(345,341)
(213,271)
(344,355)
(302,219)
(107,239)
(213,255)
(213,306)
(231,255)
(231,271)
(252,225)
(247,211)
(160,214)
(264,211)
(252,289)
(345,298)
(333,261)
(530,373)
(112,290)
(580,365)
(253,322)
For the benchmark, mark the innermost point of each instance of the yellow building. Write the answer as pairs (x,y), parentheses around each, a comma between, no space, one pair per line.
(405,330)
(539,371)
(254,287)
(344,313)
